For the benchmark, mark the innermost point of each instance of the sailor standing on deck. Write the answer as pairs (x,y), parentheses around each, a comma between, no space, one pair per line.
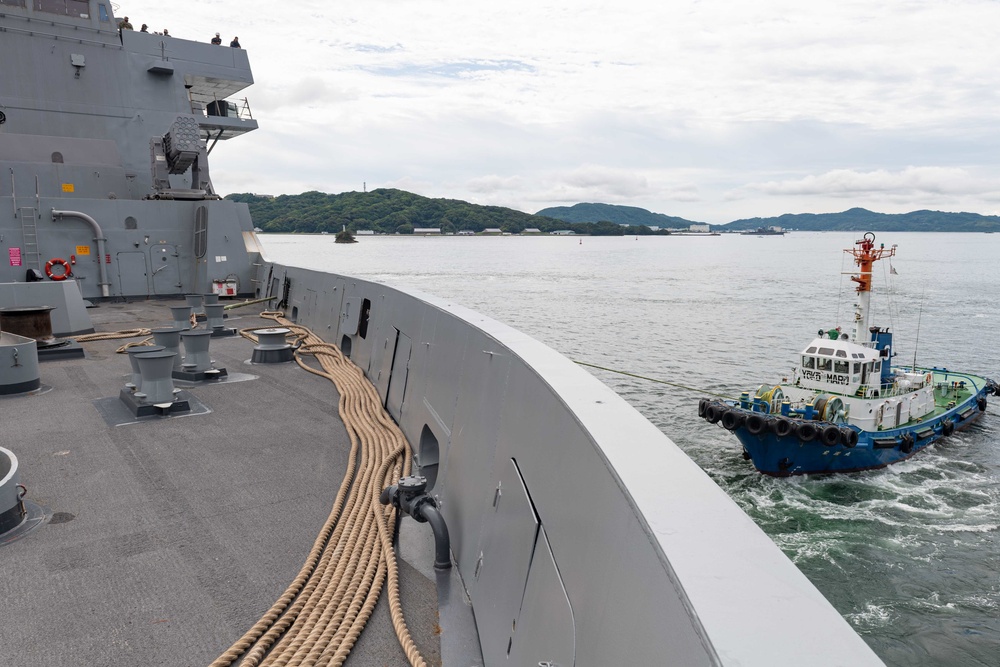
(217,40)
(235,43)
(124,24)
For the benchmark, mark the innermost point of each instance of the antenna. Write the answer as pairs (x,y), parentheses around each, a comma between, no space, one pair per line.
(919,314)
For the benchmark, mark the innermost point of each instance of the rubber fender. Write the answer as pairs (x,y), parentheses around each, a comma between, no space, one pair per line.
(849,437)
(806,432)
(830,435)
(756,424)
(714,412)
(782,427)
(947,427)
(906,443)
(981,403)
(702,404)
(732,420)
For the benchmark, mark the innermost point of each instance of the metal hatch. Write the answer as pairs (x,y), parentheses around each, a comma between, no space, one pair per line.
(166,268)
(545,633)
(397,377)
(522,610)
(505,558)
(132,280)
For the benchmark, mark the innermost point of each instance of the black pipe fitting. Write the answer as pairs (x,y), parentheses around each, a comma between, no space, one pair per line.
(410,497)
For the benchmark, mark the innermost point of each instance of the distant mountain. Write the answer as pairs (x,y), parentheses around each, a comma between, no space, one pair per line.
(622,215)
(860,219)
(390,211)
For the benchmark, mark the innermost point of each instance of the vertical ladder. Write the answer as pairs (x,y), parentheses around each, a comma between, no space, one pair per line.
(29,233)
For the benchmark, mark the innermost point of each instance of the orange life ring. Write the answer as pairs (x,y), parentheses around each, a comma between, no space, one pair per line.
(67,271)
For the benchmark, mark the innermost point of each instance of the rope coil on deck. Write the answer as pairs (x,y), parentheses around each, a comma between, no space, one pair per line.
(318,618)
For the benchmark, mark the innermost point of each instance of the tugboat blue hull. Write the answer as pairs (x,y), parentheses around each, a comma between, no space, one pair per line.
(774,446)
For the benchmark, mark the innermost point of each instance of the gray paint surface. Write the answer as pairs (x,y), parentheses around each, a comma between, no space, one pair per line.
(76,137)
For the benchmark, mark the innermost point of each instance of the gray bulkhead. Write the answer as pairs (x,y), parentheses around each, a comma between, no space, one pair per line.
(80,107)
(584,536)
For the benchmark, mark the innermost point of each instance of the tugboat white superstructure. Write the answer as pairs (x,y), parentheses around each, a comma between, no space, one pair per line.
(847,407)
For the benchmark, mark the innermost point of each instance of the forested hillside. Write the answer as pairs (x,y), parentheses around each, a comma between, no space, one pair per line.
(623,215)
(860,219)
(389,211)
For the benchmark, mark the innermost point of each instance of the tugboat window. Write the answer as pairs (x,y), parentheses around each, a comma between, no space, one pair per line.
(824,364)
(841,367)
(808,362)
(857,367)
(826,350)
(842,353)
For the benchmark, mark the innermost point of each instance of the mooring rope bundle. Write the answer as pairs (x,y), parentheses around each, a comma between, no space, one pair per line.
(318,618)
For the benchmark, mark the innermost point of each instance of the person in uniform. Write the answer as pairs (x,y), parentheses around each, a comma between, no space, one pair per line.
(217,40)
(144,28)
(235,43)
(124,24)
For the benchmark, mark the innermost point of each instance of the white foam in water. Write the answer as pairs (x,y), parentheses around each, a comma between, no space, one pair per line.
(873,616)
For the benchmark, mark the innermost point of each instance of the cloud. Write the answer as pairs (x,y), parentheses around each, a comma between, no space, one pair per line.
(712,110)
(847,183)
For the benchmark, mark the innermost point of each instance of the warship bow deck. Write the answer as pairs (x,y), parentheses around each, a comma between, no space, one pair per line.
(164,539)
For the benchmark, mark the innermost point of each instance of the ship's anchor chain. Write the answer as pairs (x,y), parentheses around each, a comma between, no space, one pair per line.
(320,615)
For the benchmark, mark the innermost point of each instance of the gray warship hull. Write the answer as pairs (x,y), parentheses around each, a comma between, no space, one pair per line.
(580,534)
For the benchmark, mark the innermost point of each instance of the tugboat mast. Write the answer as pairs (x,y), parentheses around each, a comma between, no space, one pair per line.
(865,255)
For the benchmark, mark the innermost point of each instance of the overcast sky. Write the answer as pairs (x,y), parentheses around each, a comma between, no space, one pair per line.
(712,110)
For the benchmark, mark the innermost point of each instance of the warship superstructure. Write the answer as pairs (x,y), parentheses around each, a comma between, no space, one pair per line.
(580,534)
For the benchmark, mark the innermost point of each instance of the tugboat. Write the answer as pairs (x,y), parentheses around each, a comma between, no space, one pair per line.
(847,407)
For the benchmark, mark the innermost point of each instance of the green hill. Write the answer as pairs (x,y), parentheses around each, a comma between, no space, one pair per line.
(390,211)
(860,219)
(623,215)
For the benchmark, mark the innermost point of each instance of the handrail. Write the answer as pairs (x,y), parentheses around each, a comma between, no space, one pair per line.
(79,40)
(242,112)
(946,373)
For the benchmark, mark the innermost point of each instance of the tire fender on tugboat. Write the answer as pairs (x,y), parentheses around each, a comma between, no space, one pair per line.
(782,427)
(713,413)
(806,432)
(732,420)
(756,424)
(947,427)
(906,443)
(830,435)
(849,437)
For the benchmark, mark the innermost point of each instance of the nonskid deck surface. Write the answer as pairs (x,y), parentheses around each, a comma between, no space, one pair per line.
(165,539)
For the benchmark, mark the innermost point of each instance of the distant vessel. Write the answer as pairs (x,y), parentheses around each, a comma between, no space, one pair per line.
(847,408)
(764,231)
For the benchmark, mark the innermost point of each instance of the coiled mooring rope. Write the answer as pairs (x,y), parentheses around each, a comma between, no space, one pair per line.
(319,617)
(321,614)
